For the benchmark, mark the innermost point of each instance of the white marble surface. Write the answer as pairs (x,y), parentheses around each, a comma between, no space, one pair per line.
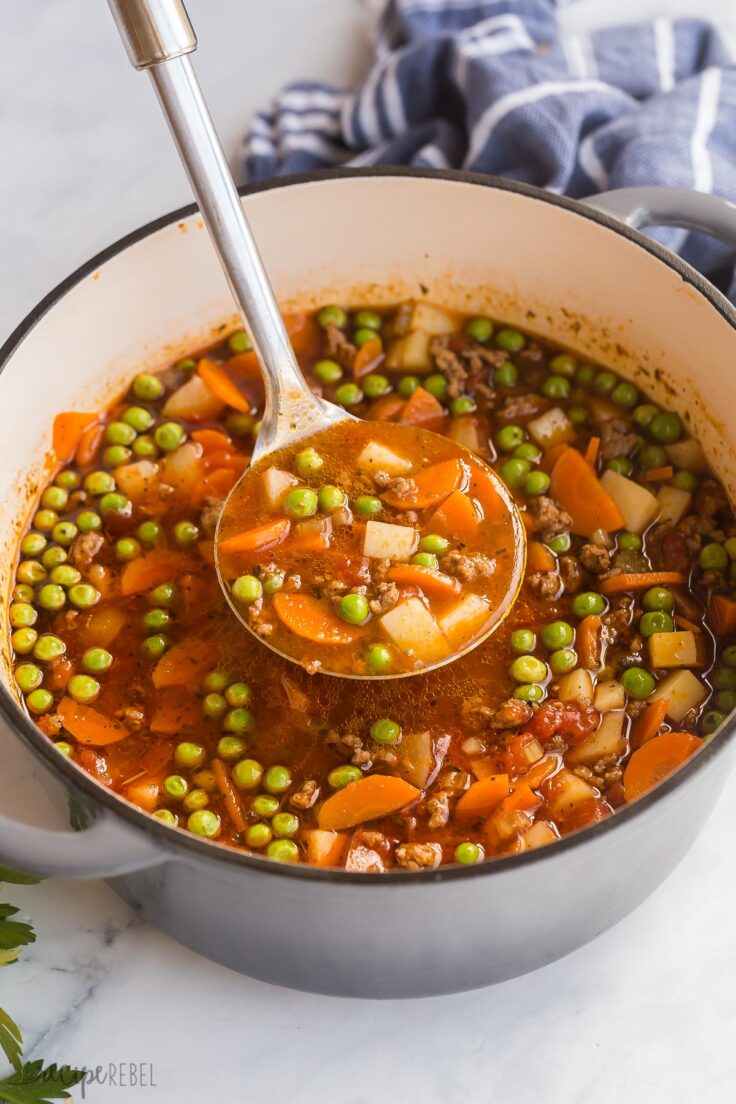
(645,1014)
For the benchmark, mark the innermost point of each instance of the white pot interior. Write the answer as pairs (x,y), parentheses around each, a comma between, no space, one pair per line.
(378,240)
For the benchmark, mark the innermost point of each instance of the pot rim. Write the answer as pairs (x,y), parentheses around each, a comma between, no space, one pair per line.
(177,843)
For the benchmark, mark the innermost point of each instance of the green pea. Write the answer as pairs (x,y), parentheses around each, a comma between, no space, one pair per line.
(258,835)
(527,451)
(556,387)
(31,572)
(264,805)
(28,676)
(83,595)
(605,382)
(308,461)
(367,319)
(506,375)
(139,418)
(353,608)
(644,415)
(620,464)
(214,706)
(637,683)
(115,503)
(657,598)
(666,428)
(724,678)
(348,394)
(515,471)
(343,776)
(64,532)
(433,542)
(96,660)
(523,641)
(83,688)
(285,825)
(120,433)
(558,634)
(560,544)
(588,602)
(49,647)
(283,850)
(730,546)
(64,748)
(585,374)
(564,365)
(55,498)
(331,498)
(436,384)
(651,456)
(165,594)
(726,700)
(563,660)
(22,592)
(578,415)
(203,822)
(529,692)
(24,641)
(147,387)
(277,779)
(729,655)
(537,483)
(169,436)
(145,447)
(407,385)
(148,533)
(176,787)
(274,583)
(237,694)
(462,405)
(625,394)
(40,701)
(655,622)
(510,340)
(375,385)
(46,520)
(426,559)
(711,721)
(238,721)
(155,646)
(332,316)
(89,522)
(186,533)
(189,755)
(52,597)
(247,588)
(713,557)
(685,481)
(68,479)
(156,619)
(367,506)
(216,680)
(363,336)
(166,817)
(480,329)
(379,659)
(127,549)
(229,748)
(468,853)
(115,455)
(33,544)
(527,668)
(328,371)
(301,502)
(386,731)
(630,542)
(239,424)
(239,342)
(509,438)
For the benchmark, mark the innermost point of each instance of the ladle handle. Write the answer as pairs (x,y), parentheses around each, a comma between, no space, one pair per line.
(159,37)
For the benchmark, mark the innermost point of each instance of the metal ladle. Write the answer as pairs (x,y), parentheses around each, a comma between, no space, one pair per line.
(159,37)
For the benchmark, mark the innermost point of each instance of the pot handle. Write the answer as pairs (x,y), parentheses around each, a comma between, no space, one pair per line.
(103,850)
(657,206)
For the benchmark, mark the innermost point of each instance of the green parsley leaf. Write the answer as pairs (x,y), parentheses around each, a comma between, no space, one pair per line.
(17,877)
(11,1040)
(34,1084)
(14,934)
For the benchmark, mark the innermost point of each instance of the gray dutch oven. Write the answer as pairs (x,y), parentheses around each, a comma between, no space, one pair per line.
(581,274)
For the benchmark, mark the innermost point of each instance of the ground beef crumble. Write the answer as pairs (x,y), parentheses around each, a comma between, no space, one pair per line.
(337,346)
(468,567)
(550,519)
(418,856)
(595,559)
(617,439)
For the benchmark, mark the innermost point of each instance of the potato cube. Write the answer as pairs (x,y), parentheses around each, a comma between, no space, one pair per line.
(433,320)
(567,790)
(609,739)
(276,484)
(410,353)
(683,691)
(539,835)
(384,541)
(673,649)
(466,432)
(638,506)
(462,622)
(673,504)
(575,686)
(552,428)
(687,454)
(414,630)
(609,694)
(376,457)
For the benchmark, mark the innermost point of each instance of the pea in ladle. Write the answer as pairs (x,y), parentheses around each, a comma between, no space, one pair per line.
(159,37)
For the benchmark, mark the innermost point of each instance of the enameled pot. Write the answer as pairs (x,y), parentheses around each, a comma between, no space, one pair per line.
(573,272)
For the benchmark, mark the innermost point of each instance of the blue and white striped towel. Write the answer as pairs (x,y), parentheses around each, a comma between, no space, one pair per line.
(494,86)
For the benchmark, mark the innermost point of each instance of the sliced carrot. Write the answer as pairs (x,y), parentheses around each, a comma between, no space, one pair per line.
(89,727)
(145,572)
(658,475)
(101,625)
(212,440)
(173,711)
(423,409)
(386,409)
(617,584)
(311,536)
(521,797)
(483,797)
(591,452)
(431,582)
(245,365)
(588,642)
(723,611)
(647,726)
(528,521)
(312,619)
(89,443)
(183,663)
(539,773)
(539,558)
(551,457)
(657,759)
(374,796)
(579,491)
(683,623)
(231,796)
(143,792)
(367,357)
(225,461)
(58,673)
(305,334)
(157,756)
(433,485)
(325,848)
(484,489)
(220,384)
(218,484)
(67,433)
(457,517)
(259,539)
